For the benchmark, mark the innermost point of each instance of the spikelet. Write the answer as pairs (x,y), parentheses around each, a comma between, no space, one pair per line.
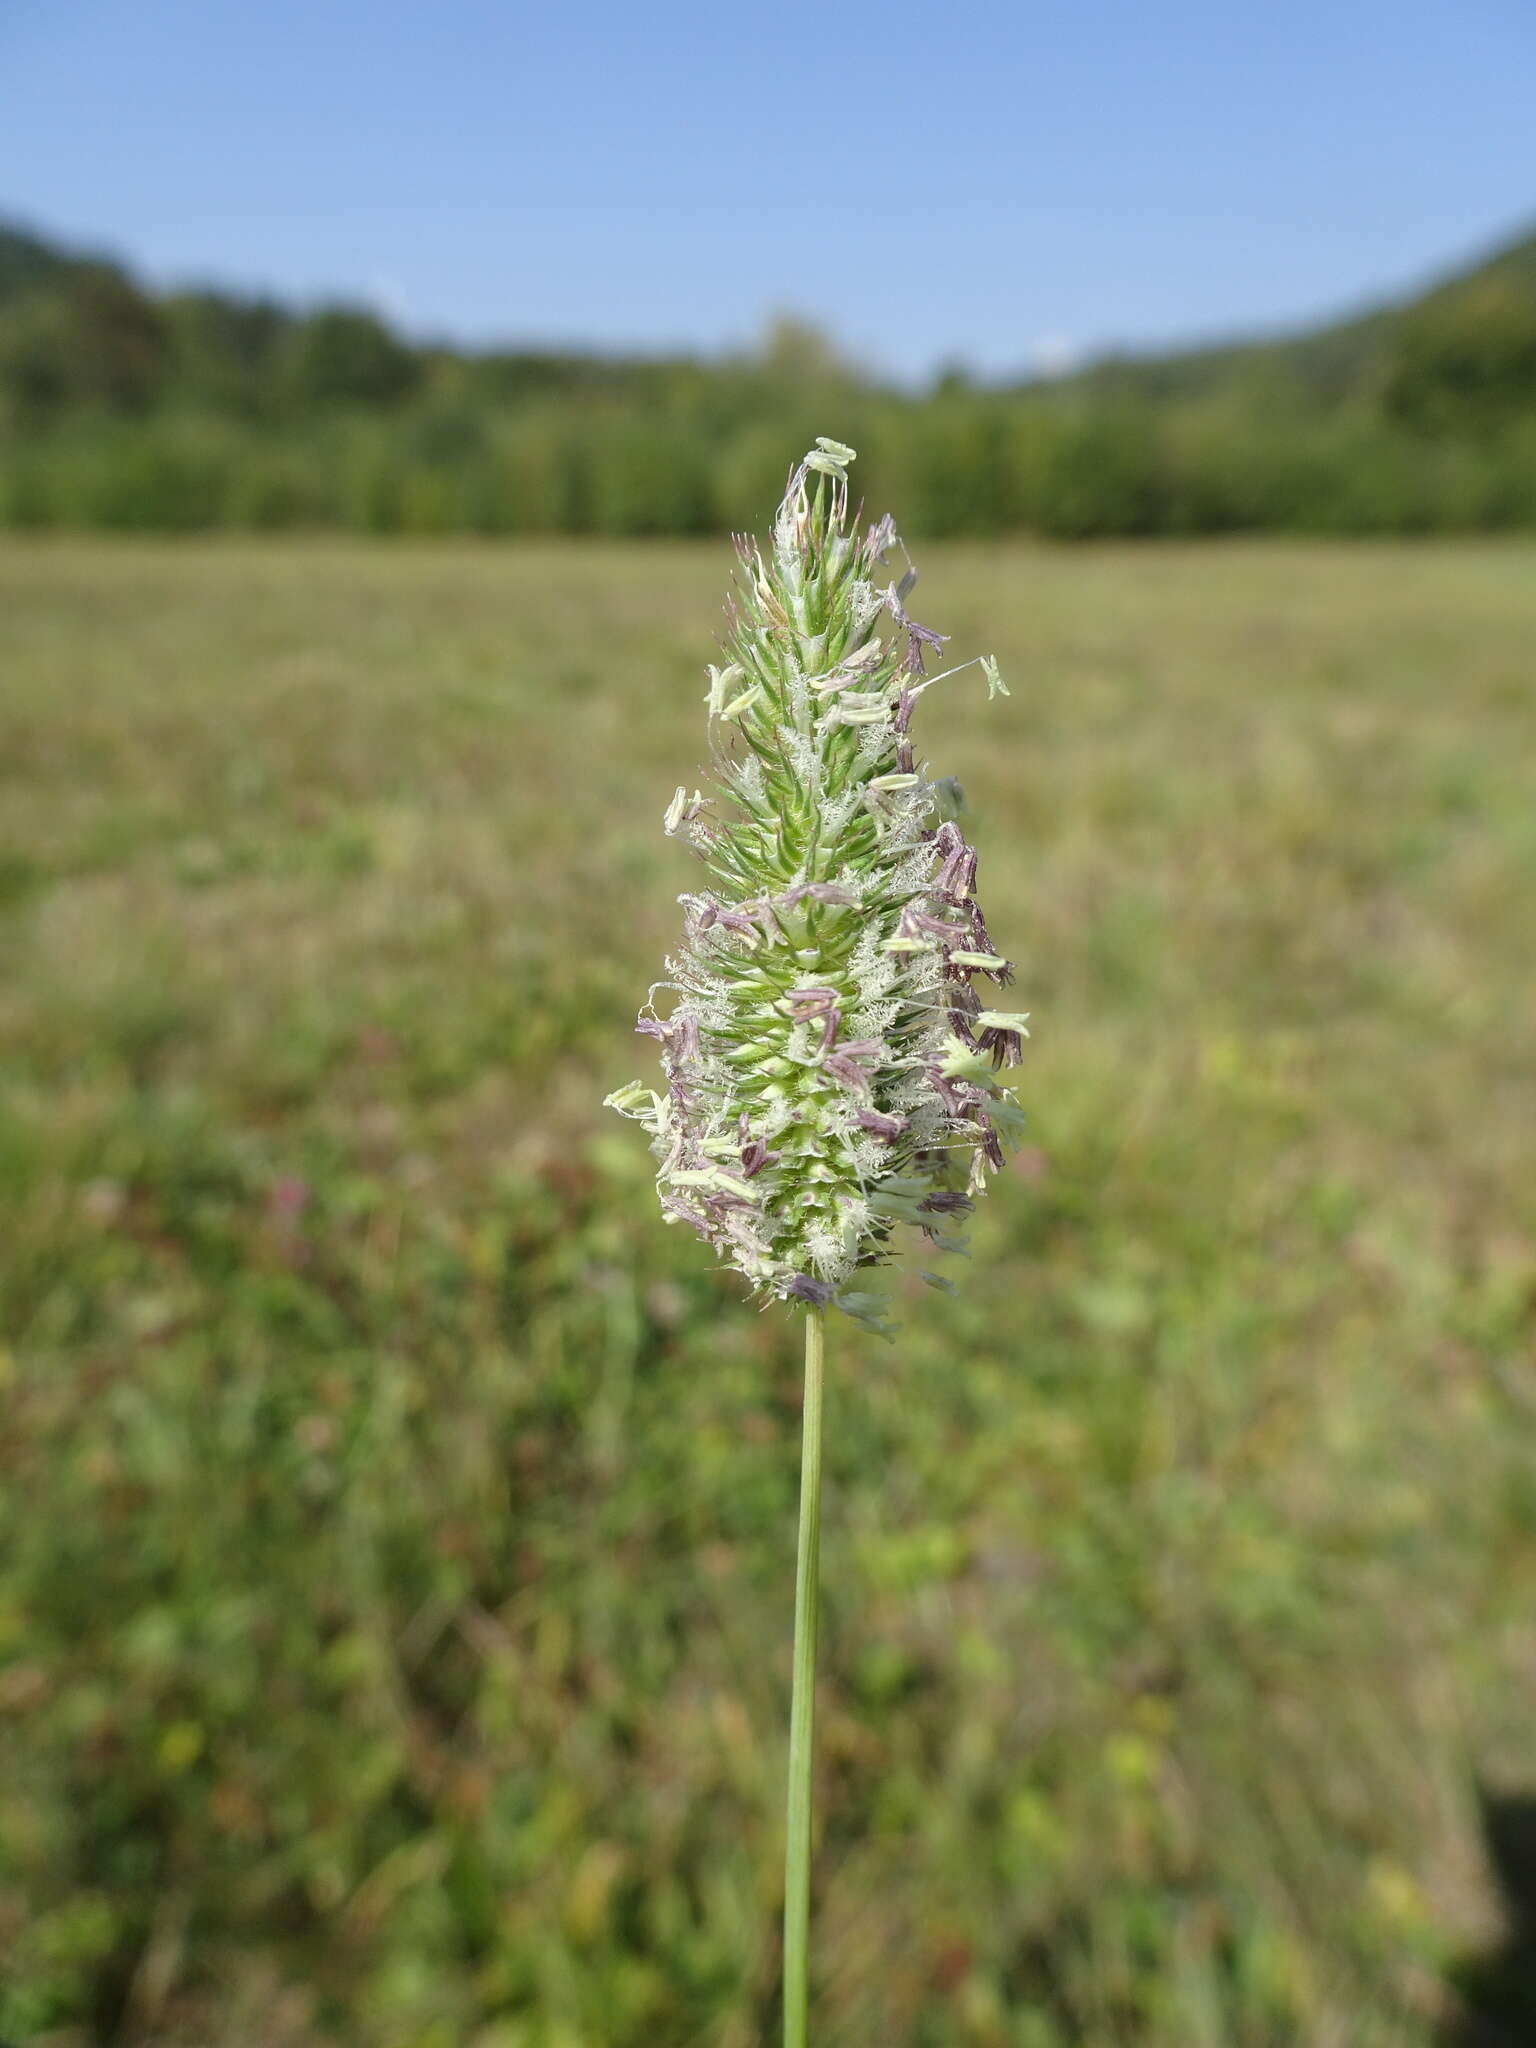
(831,1057)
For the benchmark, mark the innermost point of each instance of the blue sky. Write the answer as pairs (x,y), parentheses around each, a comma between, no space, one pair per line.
(989,183)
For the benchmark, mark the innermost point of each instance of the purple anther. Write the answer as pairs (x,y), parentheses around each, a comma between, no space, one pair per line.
(684,1214)
(979,930)
(846,1072)
(958,875)
(945,1090)
(758,916)
(946,1202)
(982,941)
(806,1003)
(919,637)
(756,1156)
(1006,1047)
(803,1288)
(904,709)
(882,535)
(819,892)
(886,1128)
(914,921)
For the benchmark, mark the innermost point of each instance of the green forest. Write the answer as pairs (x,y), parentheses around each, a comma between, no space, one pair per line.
(121,407)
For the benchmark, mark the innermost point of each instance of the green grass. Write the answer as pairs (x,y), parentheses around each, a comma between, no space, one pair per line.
(397,1524)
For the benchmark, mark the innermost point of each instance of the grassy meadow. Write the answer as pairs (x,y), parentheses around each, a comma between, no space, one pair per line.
(396,1521)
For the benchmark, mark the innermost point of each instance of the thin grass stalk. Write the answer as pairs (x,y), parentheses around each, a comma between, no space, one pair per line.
(802,1712)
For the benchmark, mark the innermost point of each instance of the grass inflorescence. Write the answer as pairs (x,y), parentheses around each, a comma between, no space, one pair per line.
(831,1065)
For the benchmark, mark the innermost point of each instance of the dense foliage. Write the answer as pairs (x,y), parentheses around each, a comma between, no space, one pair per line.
(198,409)
(394,1629)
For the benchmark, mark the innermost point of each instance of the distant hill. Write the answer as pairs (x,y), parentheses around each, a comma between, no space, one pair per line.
(27,260)
(1343,359)
(122,405)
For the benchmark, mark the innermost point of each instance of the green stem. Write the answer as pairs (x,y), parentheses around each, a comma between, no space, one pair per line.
(802,1712)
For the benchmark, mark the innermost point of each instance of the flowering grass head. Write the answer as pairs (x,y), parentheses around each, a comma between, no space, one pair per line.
(835,1038)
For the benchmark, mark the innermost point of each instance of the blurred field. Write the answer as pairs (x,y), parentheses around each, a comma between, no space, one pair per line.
(397,1522)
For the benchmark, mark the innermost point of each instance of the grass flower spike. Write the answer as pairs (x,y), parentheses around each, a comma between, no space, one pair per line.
(832,1045)
(832,1067)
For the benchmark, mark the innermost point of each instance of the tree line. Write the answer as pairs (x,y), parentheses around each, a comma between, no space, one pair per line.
(196,410)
